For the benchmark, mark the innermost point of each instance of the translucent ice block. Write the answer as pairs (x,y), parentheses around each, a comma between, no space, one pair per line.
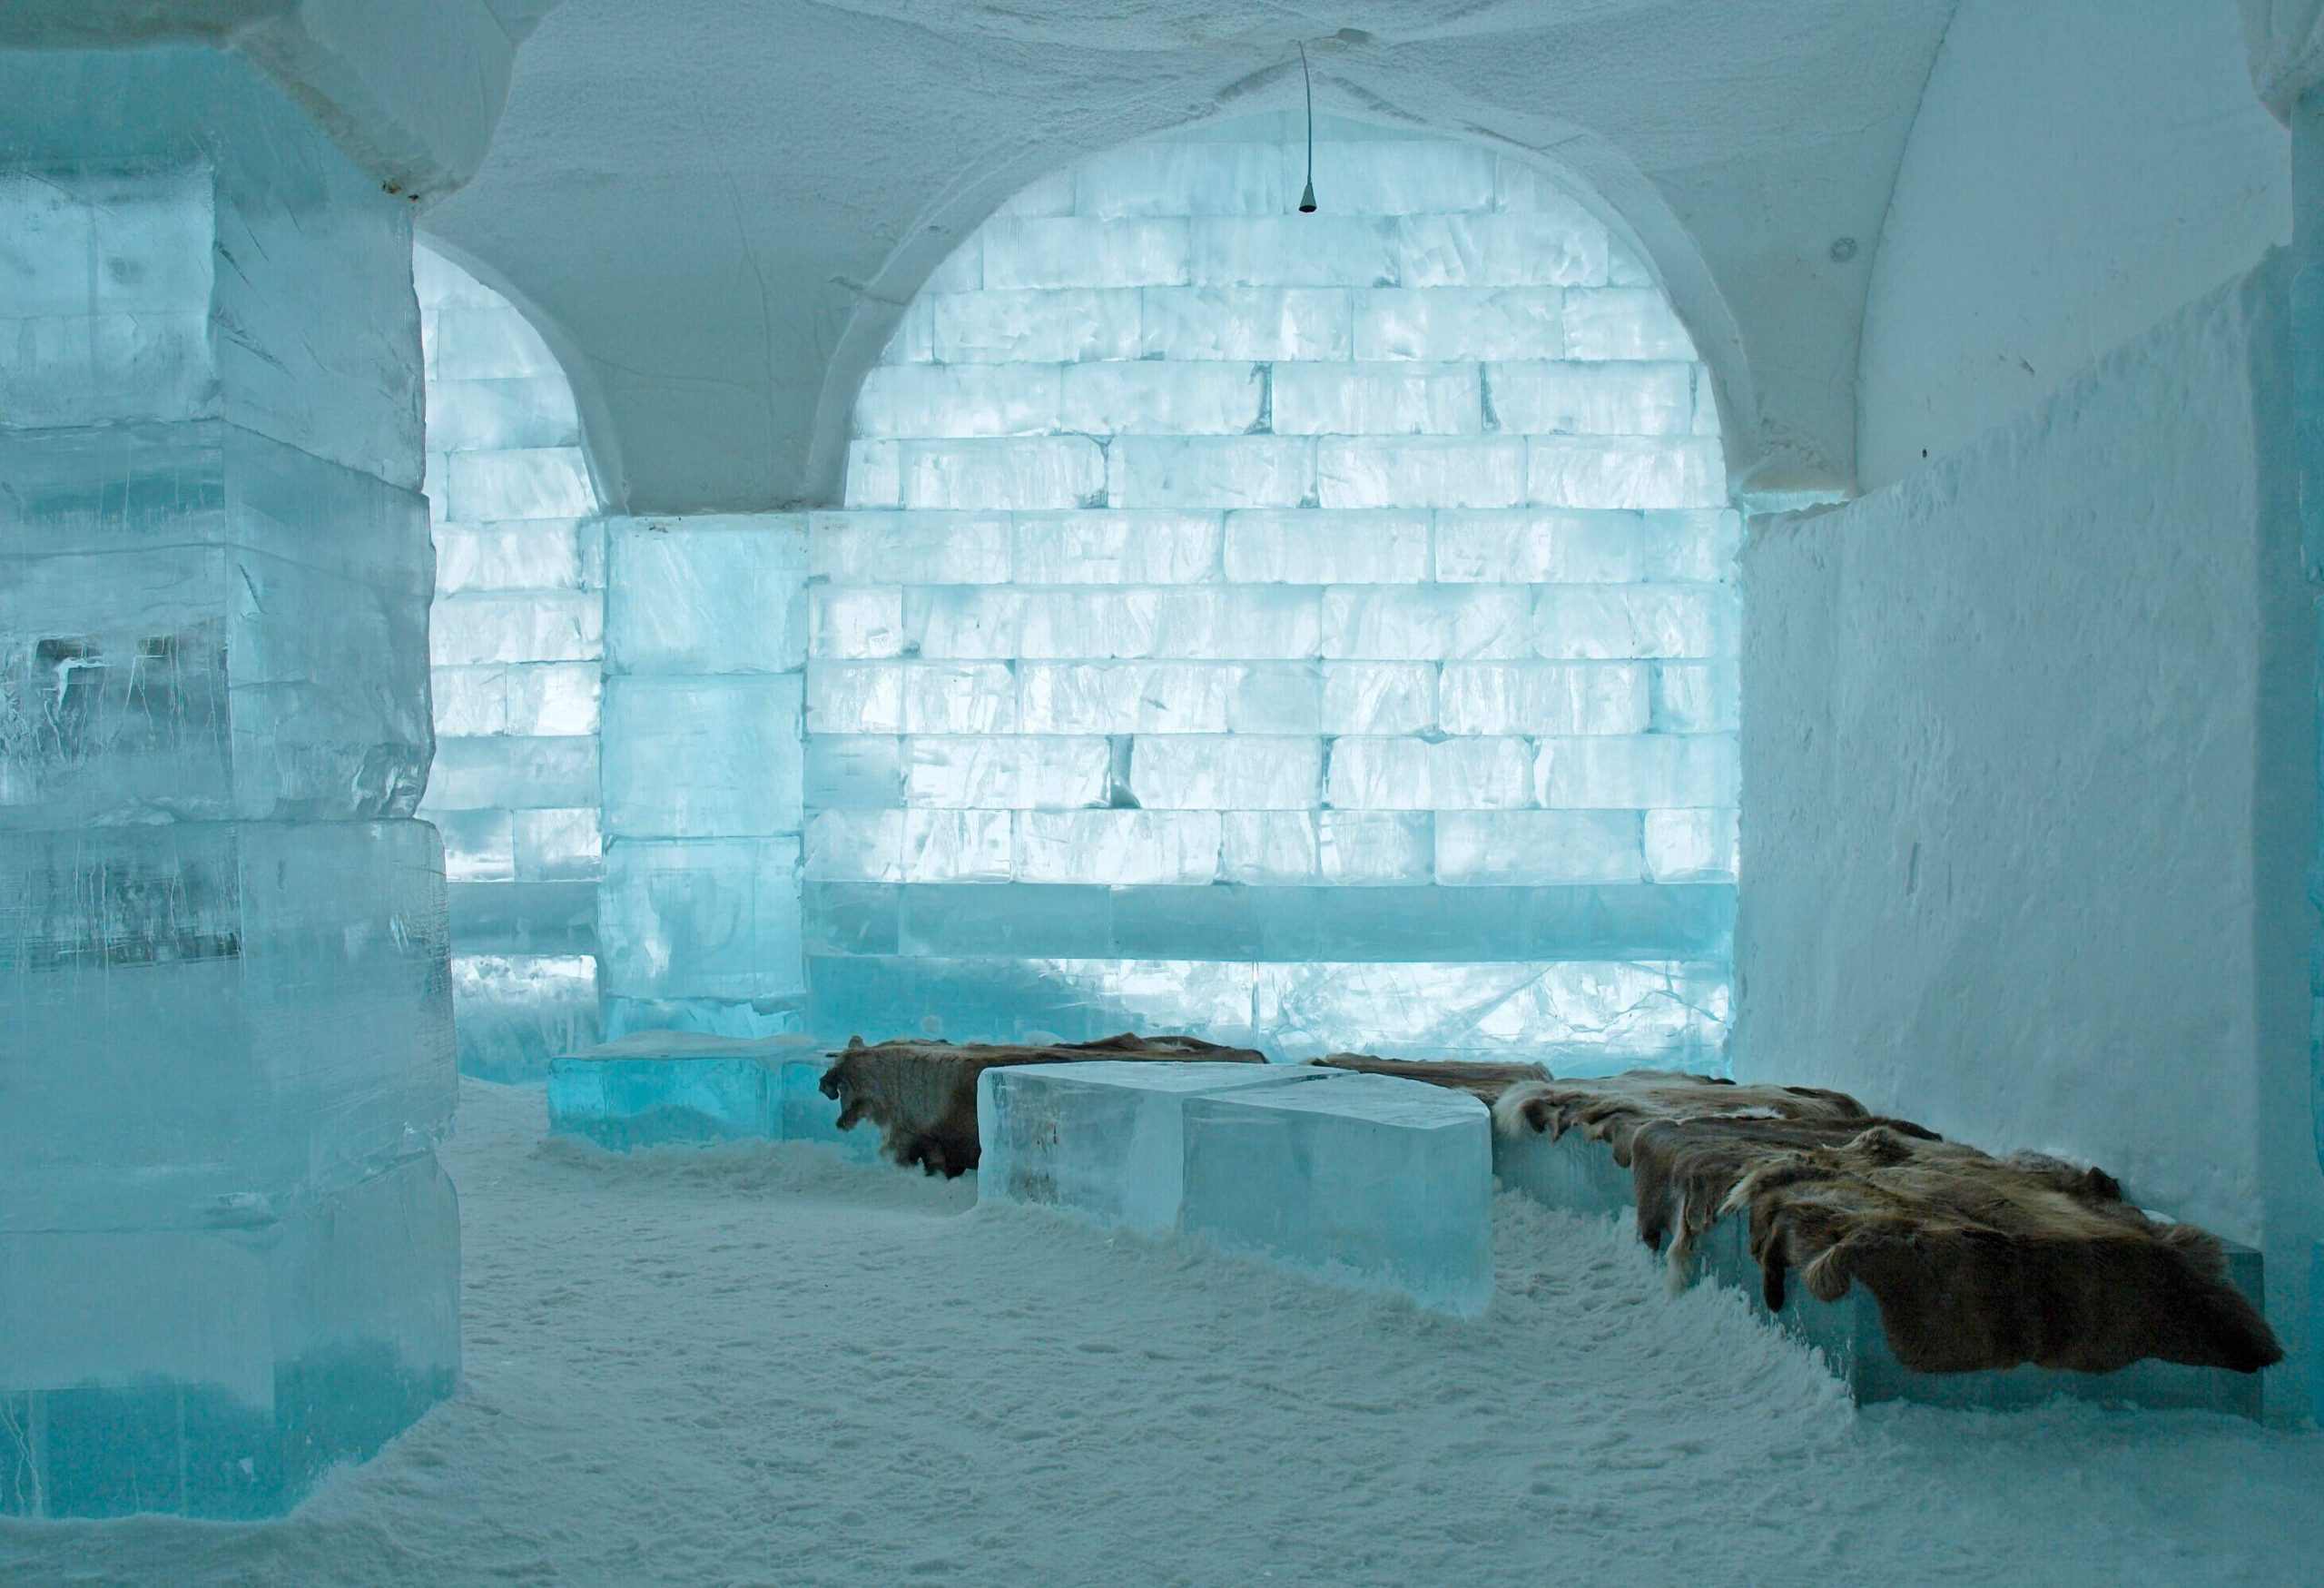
(1695,698)
(1592,400)
(1379,697)
(692,757)
(1536,546)
(1624,322)
(1691,846)
(1075,251)
(1603,623)
(1371,1180)
(216,1368)
(205,1011)
(705,918)
(501,415)
(1369,773)
(1104,1140)
(529,482)
(855,622)
(1045,471)
(1156,546)
(1032,327)
(1538,846)
(1427,623)
(516,625)
(1311,547)
(853,772)
(1227,772)
(179,240)
(1152,396)
(1542,697)
(525,554)
(157,642)
(1503,248)
(511,771)
(514,1013)
(1426,471)
(1343,847)
(1011,772)
(1440,322)
(1118,847)
(1400,398)
(1643,770)
(1621,471)
(1295,250)
(1244,322)
(918,697)
(715,594)
(930,548)
(1213,471)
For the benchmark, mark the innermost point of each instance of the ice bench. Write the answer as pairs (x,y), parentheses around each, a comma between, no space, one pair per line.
(655,1089)
(1580,1176)
(1367,1179)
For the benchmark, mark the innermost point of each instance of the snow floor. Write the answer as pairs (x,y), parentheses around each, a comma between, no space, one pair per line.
(764,1364)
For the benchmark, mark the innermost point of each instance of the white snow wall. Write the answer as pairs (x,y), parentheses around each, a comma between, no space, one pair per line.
(514,641)
(2027,784)
(1308,629)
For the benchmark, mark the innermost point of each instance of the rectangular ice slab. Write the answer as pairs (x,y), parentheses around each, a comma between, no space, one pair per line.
(1577,1175)
(1104,1140)
(655,1089)
(159,654)
(198,1012)
(1385,1182)
(218,1369)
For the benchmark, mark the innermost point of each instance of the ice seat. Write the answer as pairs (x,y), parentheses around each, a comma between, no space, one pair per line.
(1383,1182)
(1577,1175)
(216,1370)
(1103,1139)
(653,1088)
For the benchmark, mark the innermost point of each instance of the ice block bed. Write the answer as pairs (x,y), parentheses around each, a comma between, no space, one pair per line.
(1924,1270)
(655,1089)
(1369,1180)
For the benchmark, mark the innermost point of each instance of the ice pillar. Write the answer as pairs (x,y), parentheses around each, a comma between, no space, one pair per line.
(228,1257)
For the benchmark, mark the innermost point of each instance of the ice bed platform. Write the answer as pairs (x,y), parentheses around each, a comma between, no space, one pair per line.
(1364,1179)
(1578,1175)
(661,1088)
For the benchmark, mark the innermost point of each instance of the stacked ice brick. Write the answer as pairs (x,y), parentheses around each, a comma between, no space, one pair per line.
(227,1253)
(706,640)
(1316,629)
(515,640)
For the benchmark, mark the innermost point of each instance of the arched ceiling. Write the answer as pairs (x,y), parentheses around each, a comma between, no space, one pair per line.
(717,207)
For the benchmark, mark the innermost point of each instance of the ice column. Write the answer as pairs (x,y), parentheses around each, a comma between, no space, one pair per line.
(228,1257)
(705,644)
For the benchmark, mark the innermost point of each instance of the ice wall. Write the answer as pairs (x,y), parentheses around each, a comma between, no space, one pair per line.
(227,1255)
(1313,629)
(515,635)
(2026,776)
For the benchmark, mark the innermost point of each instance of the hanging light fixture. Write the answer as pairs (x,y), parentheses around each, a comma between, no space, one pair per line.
(1307,194)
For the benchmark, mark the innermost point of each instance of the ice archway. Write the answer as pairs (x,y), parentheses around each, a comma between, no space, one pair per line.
(1317,629)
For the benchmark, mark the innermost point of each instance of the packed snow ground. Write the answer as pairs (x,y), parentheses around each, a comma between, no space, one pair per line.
(769,1366)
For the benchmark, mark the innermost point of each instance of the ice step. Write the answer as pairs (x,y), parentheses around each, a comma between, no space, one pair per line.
(1370,1180)
(1578,1175)
(655,1089)
(1106,1140)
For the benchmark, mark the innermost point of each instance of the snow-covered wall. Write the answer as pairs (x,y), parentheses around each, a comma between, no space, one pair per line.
(514,637)
(1309,629)
(2078,170)
(2026,787)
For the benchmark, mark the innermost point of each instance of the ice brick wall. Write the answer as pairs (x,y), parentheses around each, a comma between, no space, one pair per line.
(514,643)
(1314,629)
(705,642)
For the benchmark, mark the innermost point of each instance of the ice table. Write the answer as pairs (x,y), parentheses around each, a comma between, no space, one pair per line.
(1580,1176)
(1368,1180)
(1103,1139)
(655,1089)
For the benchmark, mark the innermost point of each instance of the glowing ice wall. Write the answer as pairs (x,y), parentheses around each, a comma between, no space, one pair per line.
(228,1257)
(1314,629)
(515,637)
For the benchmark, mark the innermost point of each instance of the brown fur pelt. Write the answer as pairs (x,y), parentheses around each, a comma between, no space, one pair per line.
(922,1095)
(1974,1262)
(1484,1079)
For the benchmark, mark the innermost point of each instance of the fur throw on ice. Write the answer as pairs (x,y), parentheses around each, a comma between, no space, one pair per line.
(1484,1079)
(1975,1262)
(923,1095)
